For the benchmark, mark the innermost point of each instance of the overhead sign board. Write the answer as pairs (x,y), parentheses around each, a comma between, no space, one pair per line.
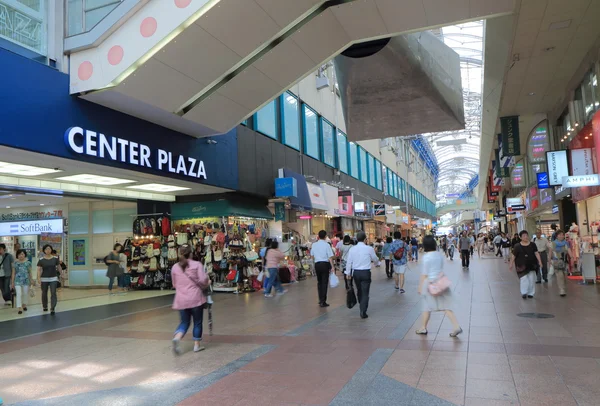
(581,160)
(37,227)
(286,187)
(555,209)
(580,181)
(509,127)
(558,167)
(542,180)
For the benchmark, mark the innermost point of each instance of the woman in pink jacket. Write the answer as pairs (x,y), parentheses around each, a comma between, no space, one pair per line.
(189,279)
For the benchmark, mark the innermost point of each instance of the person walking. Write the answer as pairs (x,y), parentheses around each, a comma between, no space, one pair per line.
(444,242)
(48,269)
(386,252)
(21,280)
(114,268)
(323,256)
(498,243)
(433,265)
(515,240)
(399,253)
(414,248)
(472,247)
(543,246)
(465,249)
(506,247)
(358,266)
(6,267)
(526,259)
(273,256)
(189,281)
(558,251)
(451,246)
(480,244)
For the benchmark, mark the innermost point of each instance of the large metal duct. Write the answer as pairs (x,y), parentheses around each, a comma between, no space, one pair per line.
(405,85)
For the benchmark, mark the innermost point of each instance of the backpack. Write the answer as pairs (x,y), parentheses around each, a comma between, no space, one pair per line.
(399,253)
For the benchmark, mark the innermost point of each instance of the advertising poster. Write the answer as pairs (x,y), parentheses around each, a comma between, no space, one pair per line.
(346,203)
(54,240)
(581,159)
(79,252)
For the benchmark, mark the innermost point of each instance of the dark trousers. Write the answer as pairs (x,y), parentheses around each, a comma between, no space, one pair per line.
(543,271)
(362,280)
(499,252)
(5,288)
(388,268)
(53,299)
(120,281)
(322,269)
(186,315)
(466,257)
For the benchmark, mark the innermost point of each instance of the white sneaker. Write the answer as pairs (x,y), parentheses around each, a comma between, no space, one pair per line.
(198,348)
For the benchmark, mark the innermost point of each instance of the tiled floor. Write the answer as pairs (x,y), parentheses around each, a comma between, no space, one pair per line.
(288,351)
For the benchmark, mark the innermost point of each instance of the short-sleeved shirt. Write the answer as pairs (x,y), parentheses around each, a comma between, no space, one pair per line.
(395,246)
(525,256)
(433,265)
(49,269)
(321,251)
(7,261)
(465,243)
(22,273)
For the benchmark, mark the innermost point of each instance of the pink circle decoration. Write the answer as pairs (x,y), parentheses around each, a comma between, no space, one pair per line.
(115,55)
(85,70)
(148,27)
(182,3)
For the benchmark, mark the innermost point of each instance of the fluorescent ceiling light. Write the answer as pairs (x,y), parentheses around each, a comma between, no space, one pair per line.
(459,141)
(24,170)
(95,180)
(157,187)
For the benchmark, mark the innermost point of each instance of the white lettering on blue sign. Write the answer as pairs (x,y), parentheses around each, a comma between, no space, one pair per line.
(87,142)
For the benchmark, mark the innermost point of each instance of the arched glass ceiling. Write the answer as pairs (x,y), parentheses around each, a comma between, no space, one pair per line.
(457,152)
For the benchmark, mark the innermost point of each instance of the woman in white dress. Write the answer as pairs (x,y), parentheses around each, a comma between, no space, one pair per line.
(431,270)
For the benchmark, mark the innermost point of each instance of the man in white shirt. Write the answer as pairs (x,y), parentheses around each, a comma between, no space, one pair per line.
(358,265)
(498,244)
(323,255)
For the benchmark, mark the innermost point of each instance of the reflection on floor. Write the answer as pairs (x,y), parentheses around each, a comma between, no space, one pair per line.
(71,299)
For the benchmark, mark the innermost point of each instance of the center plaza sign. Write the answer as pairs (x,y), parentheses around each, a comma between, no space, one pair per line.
(87,142)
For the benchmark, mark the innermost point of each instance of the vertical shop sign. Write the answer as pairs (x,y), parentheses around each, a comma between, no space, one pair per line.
(542,180)
(581,159)
(346,203)
(279,211)
(501,171)
(557,167)
(509,127)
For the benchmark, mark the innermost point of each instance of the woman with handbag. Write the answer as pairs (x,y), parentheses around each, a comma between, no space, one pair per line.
(559,249)
(189,281)
(114,270)
(434,287)
(526,258)
(273,256)
(21,280)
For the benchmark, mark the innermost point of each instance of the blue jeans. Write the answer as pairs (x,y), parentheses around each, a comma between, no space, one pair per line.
(186,314)
(273,281)
(120,281)
(415,253)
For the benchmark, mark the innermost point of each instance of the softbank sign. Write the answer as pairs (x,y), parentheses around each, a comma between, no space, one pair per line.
(87,142)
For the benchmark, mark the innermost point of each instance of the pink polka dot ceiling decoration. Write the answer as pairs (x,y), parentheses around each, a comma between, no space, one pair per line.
(182,3)
(85,70)
(115,55)
(148,27)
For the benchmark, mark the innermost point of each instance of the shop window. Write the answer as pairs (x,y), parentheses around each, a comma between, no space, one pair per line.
(291,125)
(379,175)
(266,120)
(342,151)
(311,132)
(79,222)
(371,164)
(395,186)
(80,278)
(590,95)
(24,22)
(362,160)
(328,143)
(83,15)
(102,221)
(353,152)
(123,219)
(389,181)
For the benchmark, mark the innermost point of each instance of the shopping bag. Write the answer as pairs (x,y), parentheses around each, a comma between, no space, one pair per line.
(260,276)
(333,280)
(441,285)
(350,295)
(551,271)
(232,275)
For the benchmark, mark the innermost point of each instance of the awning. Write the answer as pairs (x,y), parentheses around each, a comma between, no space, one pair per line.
(220,208)
(302,201)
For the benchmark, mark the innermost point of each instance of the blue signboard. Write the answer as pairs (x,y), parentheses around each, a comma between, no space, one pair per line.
(542,180)
(286,187)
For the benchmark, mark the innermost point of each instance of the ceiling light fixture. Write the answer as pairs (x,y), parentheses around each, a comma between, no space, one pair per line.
(576,124)
(8,207)
(158,187)
(95,180)
(24,170)
(41,204)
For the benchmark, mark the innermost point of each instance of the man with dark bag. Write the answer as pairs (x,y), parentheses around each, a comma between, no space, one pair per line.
(6,266)
(323,255)
(358,266)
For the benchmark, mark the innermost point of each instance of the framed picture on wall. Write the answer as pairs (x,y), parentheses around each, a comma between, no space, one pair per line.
(79,253)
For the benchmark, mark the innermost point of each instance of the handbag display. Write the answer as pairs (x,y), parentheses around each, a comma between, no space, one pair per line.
(251,255)
(439,286)
(232,275)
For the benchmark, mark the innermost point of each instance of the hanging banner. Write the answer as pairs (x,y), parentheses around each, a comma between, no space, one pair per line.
(506,161)
(496,181)
(509,127)
(581,159)
(558,167)
(501,172)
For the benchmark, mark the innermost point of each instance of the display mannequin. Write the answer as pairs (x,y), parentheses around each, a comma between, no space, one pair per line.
(574,246)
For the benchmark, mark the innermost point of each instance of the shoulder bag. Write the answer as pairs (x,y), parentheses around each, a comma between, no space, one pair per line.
(439,286)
